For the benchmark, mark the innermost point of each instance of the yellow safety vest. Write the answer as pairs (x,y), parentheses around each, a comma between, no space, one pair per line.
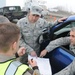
(12,68)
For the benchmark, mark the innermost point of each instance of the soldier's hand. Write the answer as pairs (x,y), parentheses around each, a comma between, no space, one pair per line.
(32,62)
(62,19)
(33,53)
(21,51)
(43,53)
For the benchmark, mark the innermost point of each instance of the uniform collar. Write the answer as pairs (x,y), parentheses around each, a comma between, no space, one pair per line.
(4,58)
(72,46)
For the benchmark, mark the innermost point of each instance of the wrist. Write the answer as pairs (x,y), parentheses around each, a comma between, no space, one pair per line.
(16,54)
(35,67)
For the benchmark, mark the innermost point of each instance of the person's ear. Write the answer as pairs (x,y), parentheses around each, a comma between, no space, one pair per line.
(14,45)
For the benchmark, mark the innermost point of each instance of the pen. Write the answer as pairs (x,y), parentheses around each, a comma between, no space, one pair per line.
(32,60)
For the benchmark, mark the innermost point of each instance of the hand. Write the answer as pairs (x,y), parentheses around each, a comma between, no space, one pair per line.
(32,62)
(33,53)
(62,19)
(43,53)
(21,51)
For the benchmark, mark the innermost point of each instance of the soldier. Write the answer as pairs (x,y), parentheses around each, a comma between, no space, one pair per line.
(70,69)
(31,28)
(61,41)
(21,51)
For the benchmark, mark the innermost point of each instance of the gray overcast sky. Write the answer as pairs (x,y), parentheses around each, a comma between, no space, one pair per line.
(69,4)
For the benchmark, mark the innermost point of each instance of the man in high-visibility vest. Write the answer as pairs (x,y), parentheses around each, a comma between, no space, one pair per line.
(9,44)
(21,51)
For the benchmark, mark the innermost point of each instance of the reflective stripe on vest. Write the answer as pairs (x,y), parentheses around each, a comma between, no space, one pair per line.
(13,68)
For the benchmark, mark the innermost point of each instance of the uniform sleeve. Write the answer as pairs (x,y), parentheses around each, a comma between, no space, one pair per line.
(46,25)
(36,72)
(58,42)
(72,69)
(22,42)
(53,23)
(69,70)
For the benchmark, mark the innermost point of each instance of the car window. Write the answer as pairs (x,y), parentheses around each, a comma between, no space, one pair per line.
(1,10)
(67,28)
(5,9)
(72,24)
(12,8)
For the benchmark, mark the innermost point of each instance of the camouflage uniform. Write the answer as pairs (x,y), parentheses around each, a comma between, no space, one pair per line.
(58,42)
(30,33)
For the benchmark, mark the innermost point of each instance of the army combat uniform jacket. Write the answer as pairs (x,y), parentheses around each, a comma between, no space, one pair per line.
(59,42)
(30,33)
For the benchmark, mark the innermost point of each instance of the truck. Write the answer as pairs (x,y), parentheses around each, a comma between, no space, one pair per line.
(12,12)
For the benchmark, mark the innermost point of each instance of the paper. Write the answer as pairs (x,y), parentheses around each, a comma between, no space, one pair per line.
(43,65)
